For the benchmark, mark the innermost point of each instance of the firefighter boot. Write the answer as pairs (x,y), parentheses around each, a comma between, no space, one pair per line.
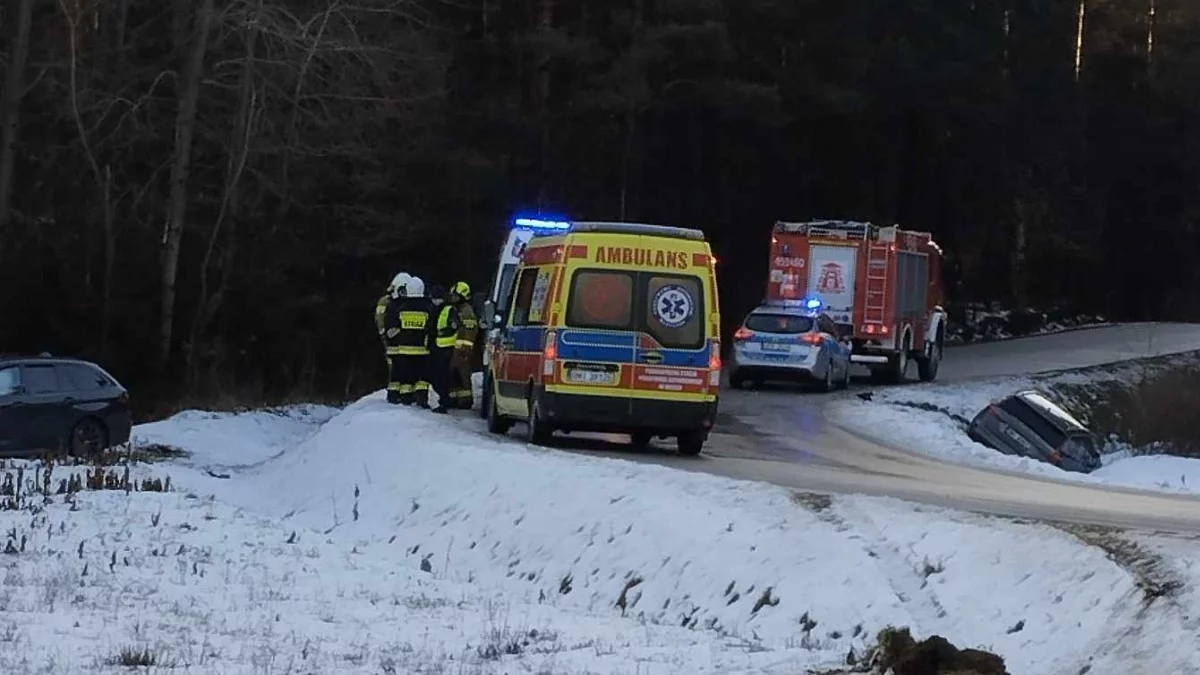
(421,397)
(393,397)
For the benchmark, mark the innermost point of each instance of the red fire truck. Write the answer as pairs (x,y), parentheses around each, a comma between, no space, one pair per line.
(880,285)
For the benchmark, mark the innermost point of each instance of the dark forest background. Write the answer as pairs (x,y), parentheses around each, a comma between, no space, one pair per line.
(208,195)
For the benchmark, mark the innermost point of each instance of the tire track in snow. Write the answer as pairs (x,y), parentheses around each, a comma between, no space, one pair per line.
(908,578)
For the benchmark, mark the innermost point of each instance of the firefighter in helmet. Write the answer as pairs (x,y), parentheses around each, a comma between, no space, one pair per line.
(443,335)
(464,346)
(385,303)
(405,330)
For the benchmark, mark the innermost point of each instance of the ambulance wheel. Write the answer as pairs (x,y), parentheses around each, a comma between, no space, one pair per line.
(495,423)
(691,443)
(538,431)
(485,406)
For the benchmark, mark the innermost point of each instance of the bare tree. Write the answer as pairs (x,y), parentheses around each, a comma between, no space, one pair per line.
(185,125)
(10,106)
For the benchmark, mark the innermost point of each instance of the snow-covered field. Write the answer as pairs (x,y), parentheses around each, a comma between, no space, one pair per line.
(932,419)
(386,540)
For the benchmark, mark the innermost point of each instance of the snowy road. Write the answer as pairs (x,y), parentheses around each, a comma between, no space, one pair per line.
(783,437)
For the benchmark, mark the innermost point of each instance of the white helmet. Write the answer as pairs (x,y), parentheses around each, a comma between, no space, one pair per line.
(400,282)
(416,287)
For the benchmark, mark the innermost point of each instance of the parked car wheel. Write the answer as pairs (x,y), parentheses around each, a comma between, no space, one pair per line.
(89,438)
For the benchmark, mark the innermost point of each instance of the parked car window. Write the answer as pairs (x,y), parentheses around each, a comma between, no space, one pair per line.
(1079,445)
(80,377)
(1034,420)
(1050,408)
(40,380)
(10,380)
(779,323)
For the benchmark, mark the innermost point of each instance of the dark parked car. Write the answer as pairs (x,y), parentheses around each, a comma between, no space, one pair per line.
(60,405)
(1030,425)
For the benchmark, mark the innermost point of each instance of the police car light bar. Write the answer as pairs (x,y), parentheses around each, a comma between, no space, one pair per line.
(812,303)
(541,225)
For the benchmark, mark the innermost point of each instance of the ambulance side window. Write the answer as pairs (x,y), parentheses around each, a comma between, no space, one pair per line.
(524,296)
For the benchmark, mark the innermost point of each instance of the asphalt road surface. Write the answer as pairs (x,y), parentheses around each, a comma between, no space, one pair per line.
(783,437)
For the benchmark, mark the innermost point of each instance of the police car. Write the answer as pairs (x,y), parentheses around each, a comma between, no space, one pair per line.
(794,342)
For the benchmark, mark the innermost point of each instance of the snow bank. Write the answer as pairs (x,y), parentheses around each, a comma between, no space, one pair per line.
(232,440)
(932,419)
(765,584)
(393,540)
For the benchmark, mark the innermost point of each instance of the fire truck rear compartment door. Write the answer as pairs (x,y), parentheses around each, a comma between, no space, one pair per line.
(912,284)
(832,279)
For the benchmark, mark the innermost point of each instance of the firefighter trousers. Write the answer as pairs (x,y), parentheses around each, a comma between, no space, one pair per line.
(461,391)
(439,376)
(407,383)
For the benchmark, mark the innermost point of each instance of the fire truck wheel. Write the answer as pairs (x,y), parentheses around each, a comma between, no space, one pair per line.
(897,367)
(927,367)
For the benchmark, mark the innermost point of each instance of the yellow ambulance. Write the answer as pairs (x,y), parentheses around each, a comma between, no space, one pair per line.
(609,327)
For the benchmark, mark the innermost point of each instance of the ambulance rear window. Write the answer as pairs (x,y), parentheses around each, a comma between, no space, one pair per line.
(601,299)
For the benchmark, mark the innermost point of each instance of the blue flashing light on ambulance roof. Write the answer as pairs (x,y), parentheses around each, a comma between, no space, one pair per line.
(541,224)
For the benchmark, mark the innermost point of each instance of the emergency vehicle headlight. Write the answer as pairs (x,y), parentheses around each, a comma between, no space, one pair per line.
(540,224)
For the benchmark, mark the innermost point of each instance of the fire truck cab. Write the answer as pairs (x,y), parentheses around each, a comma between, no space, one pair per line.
(880,285)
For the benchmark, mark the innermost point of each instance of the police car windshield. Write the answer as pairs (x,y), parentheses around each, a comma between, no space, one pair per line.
(779,323)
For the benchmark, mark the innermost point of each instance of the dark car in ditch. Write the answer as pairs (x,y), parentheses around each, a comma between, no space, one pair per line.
(1028,424)
(60,406)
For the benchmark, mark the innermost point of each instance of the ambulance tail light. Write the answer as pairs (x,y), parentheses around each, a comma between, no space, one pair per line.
(550,354)
(714,364)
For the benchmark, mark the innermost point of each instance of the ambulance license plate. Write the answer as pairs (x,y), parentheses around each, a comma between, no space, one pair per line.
(591,375)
